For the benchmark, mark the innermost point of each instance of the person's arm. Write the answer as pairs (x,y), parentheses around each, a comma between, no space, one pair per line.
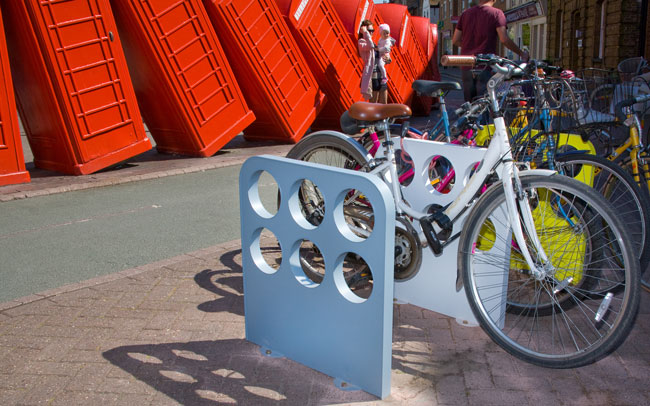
(457,38)
(508,43)
(384,46)
(367,44)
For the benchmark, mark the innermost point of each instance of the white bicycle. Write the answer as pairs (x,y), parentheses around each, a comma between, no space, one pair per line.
(546,264)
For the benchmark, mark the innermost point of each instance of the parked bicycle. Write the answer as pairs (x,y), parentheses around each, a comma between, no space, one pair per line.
(547,266)
(542,124)
(612,108)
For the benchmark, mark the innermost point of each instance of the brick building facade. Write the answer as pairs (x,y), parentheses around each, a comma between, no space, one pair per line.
(595,33)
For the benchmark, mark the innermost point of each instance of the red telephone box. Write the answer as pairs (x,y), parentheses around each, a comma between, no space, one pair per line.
(421,104)
(330,54)
(402,29)
(188,94)
(269,66)
(400,76)
(73,87)
(352,13)
(12,162)
(434,60)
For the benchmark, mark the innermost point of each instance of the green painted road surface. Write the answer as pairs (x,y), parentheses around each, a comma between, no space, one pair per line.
(50,241)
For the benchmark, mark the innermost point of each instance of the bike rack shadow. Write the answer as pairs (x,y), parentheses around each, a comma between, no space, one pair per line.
(234,370)
(214,281)
(227,371)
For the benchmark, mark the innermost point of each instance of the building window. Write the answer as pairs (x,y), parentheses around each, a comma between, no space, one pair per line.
(599,33)
(558,33)
(525,36)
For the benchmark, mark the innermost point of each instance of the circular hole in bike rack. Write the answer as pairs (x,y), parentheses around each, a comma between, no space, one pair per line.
(264,194)
(307,204)
(442,175)
(307,264)
(354,215)
(405,167)
(266,251)
(353,277)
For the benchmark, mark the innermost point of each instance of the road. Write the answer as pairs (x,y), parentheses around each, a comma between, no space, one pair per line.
(50,241)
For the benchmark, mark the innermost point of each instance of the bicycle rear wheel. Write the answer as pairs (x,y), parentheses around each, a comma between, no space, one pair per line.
(563,318)
(336,150)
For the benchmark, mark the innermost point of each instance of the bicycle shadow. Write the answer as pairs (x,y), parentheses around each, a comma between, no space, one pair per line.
(230,370)
(227,283)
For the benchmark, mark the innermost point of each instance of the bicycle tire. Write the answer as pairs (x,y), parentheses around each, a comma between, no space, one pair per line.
(536,339)
(328,149)
(625,162)
(347,153)
(620,189)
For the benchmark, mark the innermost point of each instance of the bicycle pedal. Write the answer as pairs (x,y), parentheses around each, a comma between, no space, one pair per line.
(359,280)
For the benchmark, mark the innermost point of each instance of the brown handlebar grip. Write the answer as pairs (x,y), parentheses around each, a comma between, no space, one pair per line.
(458,60)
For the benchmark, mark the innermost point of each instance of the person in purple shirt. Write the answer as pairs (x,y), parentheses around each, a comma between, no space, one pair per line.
(476,33)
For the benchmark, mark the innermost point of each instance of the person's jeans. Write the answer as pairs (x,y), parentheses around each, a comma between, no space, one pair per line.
(474,83)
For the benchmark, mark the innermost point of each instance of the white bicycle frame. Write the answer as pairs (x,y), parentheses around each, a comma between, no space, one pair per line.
(498,154)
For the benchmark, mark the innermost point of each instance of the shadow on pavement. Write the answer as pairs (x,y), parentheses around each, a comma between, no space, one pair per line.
(227,371)
(455,362)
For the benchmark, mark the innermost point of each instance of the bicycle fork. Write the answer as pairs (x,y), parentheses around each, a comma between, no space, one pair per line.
(517,203)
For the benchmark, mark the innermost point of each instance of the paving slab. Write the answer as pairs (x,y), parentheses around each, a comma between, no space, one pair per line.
(172,332)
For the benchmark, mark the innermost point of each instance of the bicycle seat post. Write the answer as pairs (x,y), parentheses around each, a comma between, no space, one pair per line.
(445,116)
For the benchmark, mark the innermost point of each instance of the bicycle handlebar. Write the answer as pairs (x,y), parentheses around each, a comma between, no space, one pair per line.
(458,60)
(618,109)
(497,63)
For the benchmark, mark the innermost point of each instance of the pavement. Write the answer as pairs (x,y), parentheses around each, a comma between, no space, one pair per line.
(172,332)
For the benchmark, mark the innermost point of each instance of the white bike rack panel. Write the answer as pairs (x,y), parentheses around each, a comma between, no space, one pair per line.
(324,327)
(434,286)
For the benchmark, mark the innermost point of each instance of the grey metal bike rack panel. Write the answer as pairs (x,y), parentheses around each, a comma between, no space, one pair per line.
(322,325)
(434,286)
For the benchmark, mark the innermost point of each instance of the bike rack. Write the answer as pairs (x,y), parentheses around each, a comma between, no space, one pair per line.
(434,286)
(323,326)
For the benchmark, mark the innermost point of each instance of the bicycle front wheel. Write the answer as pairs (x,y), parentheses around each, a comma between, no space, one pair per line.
(561,316)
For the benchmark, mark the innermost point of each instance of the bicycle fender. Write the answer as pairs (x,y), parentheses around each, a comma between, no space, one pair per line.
(528,172)
(538,172)
(336,134)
